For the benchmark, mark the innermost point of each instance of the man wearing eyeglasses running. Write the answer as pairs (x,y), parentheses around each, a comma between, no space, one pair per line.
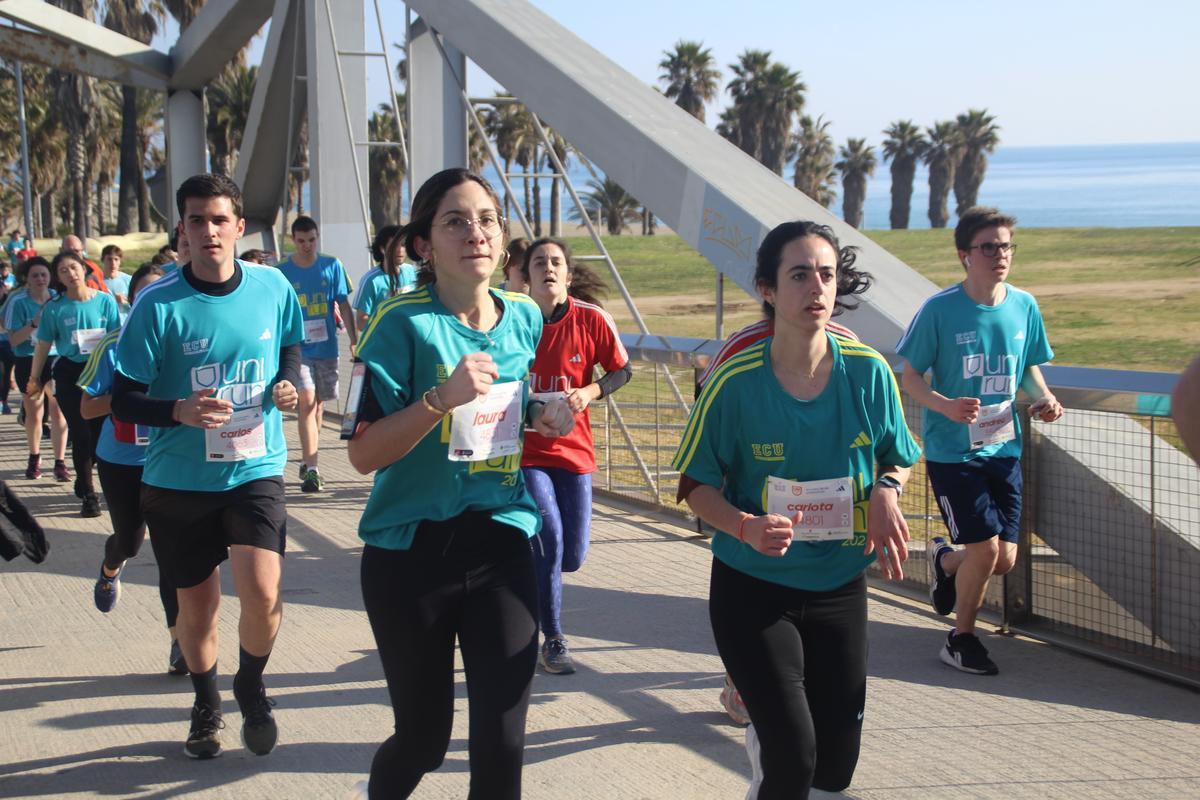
(982,340)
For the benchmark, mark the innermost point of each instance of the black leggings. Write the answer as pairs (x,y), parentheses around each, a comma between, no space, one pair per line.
(799,660)
(122,486)
(7,362)
(473,578)
(84,432)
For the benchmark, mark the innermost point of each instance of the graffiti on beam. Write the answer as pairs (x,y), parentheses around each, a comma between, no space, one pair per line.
(718,229)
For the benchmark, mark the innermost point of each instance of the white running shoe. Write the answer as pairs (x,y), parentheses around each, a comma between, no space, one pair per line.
(756,772)
(359,791)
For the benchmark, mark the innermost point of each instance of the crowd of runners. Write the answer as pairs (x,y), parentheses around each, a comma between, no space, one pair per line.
(469,405)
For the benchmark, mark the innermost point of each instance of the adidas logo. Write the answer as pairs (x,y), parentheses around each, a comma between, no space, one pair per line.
(266,335)
(577,359)
(862,440)
(1020,335)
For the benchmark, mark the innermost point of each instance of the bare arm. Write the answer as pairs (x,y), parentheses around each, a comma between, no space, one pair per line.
(1045,405)
(1185,408)
(41,351)
(92,407)
(391,438)
(887,530)
(349,317)
(769,534)
(958,409)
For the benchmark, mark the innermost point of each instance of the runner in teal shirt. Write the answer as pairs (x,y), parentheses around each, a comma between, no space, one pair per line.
(447,526)
(796,451)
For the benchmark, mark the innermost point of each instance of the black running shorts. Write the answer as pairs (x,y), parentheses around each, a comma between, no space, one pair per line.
(191,532)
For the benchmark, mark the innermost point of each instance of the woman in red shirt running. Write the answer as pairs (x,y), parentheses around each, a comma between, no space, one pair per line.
(578,336)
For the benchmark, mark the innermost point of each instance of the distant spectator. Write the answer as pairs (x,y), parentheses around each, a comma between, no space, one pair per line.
(13,246)
(27,252)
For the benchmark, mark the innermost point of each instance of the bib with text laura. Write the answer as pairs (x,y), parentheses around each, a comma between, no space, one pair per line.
(489,426)
(827,507)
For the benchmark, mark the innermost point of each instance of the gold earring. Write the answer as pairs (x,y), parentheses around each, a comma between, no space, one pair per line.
(505,260)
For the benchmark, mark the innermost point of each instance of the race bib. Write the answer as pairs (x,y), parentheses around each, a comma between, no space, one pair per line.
(827,507)
(358,378)
(993,425)
(141,435)
(86,339)
(315,331)
(241,438)
(489,426)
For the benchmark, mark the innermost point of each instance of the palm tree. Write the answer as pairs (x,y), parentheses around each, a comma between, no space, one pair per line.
(980,134)
(150,114)
(727,128)
(690,76)
(184,11)
(74,95)
(941,156)
(563,151)
(904,146)
(229,98)
(766,96)
(856,165)
(616,207)
(104,152)
(385,167)
(501,126)
(139,20)
(815,150)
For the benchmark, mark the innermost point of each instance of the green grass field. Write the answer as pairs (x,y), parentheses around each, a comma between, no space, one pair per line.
(1118,298)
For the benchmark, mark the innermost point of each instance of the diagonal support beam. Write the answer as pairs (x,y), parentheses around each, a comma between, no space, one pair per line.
(71,43)
(219,31)
(717,198)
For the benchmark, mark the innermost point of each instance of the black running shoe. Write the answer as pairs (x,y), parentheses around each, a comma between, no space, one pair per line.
(966,653)
(555,657)
(204,738)
(312,481)
(176,664)
(91,506)
(942,590)
(259,731)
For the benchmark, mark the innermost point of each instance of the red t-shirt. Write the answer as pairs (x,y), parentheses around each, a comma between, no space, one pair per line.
(570,349)
(756,332)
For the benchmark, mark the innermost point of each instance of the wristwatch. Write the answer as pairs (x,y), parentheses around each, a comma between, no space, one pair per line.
(890,483)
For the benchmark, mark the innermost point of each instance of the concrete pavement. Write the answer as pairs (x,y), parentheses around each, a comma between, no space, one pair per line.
(88,711)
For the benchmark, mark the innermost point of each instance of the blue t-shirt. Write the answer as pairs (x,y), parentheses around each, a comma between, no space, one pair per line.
(10,280)
(18,311)
(318,287)
(119,284)
(97,380)
(376,285)
(75,327)
(974,351)
(745,428)
(179,340)
(412,344)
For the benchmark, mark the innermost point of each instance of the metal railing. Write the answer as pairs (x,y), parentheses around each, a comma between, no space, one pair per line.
(1110,533)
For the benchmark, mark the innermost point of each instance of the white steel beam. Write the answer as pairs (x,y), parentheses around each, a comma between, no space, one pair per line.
(219,31)
(73,44)
(187,148)
(718,199)
(437,118)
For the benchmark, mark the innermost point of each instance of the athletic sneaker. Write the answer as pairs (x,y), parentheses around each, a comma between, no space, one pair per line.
(943,592)
(61,473)
(204,738)
(731,699)
(966,653)
(259,731)
(555,657)
(176,664)
(359,791)
(754,751)
(91,506)
(5,409)
(108,590)
(312,481)
(303,469)
(33,470)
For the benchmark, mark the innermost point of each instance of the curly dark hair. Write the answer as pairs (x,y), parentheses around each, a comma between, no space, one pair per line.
(850,281)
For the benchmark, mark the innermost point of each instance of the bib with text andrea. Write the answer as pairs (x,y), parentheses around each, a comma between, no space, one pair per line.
(993,425)
(827,507)
(489,426)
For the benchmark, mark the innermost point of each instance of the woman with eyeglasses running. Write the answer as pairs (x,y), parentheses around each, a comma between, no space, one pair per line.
(448,522)
(780,455)
(579,336)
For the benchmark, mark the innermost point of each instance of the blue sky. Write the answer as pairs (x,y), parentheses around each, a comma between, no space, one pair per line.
(1053,72)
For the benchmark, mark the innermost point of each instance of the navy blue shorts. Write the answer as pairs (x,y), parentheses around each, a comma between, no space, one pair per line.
(979,499)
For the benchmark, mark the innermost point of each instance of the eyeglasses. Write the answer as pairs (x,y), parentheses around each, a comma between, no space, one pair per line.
(460,227)
(990,249)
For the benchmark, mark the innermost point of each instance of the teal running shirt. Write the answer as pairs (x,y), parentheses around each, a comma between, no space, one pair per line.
(745,429)
(18,311)
(179,340)
(974,351)
(375,285)
(75,327)
(412,344)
